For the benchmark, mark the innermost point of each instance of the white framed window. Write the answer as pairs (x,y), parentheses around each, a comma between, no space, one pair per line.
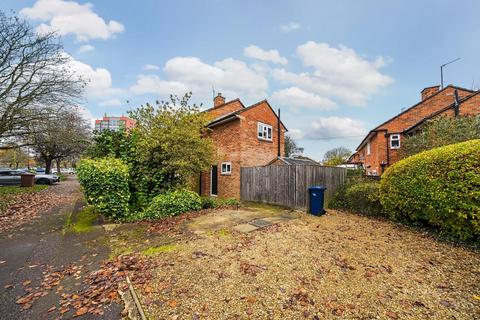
(226,168)
(264,131)
(368,148)
(394,141)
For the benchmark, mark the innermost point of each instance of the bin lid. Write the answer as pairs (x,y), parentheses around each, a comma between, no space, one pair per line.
(317,188)
(27,174)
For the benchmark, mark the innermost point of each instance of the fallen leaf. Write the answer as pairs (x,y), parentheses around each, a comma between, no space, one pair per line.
(64,310)
(51,309)
(172,303)
(2,261)
(81,311)
(26,283)
(24,300)
(8,286)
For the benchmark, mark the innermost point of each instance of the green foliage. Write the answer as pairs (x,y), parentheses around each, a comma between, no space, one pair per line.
(439,187)
(172,145)
(105,185)
(109,143)
(440,132)
(211,202)
(358,195)
(172,203)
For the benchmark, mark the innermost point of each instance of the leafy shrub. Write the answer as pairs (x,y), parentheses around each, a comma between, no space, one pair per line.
(105,185)
(209,202)
(172,203)
(358,195)
(227,202)
(439,187)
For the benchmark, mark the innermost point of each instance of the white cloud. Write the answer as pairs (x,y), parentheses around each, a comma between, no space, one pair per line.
(151,67)
(99,80)
(87,115)
(86,48)
(264,55)
(153,84)
(335,127)
(296,98)
(232,77)
(111,103)
(291,26)
(337,72)
(296,134)
(70,17)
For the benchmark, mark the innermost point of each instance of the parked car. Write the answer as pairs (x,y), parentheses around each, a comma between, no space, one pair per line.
(40,170)
(64,171)
(13,177)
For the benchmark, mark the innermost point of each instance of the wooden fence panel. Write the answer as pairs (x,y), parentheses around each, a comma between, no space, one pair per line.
(288,185)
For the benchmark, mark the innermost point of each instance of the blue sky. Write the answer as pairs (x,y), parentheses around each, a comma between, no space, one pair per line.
(335,68)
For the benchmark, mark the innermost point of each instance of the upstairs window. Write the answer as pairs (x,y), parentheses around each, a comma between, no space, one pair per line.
(226,167)
(368,148)
(264,131)
(394,141)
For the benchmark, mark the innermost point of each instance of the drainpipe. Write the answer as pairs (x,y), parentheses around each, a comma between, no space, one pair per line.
(456,106)
(388,149)
(278,134)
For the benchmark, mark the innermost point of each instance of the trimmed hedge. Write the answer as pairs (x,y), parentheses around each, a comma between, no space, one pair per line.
(358,195)
(438,187)
(172,203)
(105,185)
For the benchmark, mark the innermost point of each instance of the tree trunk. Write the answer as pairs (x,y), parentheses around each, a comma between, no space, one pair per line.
(48,166)
(58,166)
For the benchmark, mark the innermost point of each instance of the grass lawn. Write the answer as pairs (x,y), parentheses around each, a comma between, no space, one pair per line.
(8,194)
(338,266)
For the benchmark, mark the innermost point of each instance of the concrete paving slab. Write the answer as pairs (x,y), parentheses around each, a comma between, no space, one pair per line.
(245,228)
(260,223)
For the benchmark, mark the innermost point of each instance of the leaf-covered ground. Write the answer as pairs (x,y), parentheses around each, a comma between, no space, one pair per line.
(20,205)
(338,266)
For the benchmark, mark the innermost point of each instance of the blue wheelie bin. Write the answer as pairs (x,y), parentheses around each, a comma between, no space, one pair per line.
(317,199)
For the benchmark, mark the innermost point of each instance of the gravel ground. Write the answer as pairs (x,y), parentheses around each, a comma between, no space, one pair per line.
(338,266)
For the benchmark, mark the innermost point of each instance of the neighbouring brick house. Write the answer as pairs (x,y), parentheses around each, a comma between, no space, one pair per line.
(243,137)
(382,145)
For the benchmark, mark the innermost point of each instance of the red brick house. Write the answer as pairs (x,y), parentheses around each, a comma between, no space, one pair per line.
(381,147)
(243,137)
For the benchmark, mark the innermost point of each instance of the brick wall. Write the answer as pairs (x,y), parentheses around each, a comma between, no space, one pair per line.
(257,152)
(471,107)
(380,150)
(237,142)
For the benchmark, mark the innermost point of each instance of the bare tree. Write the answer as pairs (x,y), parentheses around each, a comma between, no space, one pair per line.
(336,156)
(290,146)
(63,136)
(35,78)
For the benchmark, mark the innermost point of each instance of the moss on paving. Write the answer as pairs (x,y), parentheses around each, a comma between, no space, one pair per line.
(264,207)
(84,221)
(151,251)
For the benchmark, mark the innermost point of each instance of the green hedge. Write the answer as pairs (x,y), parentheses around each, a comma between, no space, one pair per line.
(358,195)
(439,187)
(105,185)
(172,203)
(211,202)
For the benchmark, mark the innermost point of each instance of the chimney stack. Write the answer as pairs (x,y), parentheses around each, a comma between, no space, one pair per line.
(218,100)
(430,91)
